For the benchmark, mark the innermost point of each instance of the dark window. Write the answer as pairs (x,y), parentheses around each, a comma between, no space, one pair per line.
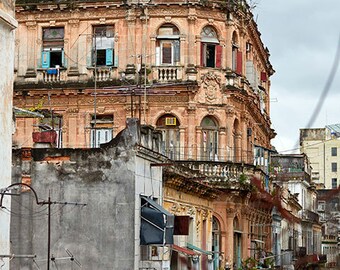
(334,151)
(334,167)
(211,51)
(52,55)
(103,46)
(334,183)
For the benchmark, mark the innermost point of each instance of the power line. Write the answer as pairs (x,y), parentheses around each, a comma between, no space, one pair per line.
(47,202)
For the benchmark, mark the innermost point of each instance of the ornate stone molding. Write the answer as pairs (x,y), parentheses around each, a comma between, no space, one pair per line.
(31,25)
(211,83)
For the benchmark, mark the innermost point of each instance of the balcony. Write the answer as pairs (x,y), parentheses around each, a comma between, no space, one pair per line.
(102,73)
(52,75)
(227,154)
(167,73)
(310,216)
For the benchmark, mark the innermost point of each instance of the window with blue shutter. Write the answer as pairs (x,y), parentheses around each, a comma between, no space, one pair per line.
(45,59)
(109,57)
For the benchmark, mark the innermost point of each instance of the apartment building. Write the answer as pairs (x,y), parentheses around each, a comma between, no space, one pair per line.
(196,71)
(321,146)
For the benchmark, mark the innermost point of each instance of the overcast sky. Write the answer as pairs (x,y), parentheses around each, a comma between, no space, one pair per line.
(302,37)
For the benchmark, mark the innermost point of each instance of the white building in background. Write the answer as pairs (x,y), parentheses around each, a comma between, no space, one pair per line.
(321,146)
(7,26)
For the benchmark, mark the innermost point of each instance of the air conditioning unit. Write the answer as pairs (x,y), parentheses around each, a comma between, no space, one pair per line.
(170,121)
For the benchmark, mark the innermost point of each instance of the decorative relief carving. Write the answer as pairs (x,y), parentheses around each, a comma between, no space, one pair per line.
(230,111)
(167,109)
(191,211)
(211,84)
(31,25)
(168,98)
(205,214)
(74,23)
(72,110)
(175,208)
(102,100)
(231,212)
(167,18)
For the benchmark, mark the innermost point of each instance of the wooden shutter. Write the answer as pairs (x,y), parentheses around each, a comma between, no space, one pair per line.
(239,63)
(218,62)
(203,60)
(45,59)
(109,57)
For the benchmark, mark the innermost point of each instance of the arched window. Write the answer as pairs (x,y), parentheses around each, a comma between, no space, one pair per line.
(236,55)
(211,51)
(169,126)
(216,243)
(168,45)
(209,139)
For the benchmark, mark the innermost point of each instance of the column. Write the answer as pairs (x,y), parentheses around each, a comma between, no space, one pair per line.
(229,244)
(198,143)
(245,235)
(222,152)
(73,49)
(183,149)
(31,49)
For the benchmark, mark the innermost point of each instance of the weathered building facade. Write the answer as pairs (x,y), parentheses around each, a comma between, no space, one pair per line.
(115,182)
(7,26)
(207,74)
(293,172)
(197,71)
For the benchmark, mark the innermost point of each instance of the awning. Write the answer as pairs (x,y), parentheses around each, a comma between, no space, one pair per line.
(157,224)
(183,250)
(190,246)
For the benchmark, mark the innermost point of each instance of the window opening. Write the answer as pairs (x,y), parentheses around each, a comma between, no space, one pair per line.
(209,147)
(169,126)
(168,45)
(53,47)
(103,131)
(211,51)
(103,46)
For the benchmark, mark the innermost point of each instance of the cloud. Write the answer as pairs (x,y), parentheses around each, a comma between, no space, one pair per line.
(302,37)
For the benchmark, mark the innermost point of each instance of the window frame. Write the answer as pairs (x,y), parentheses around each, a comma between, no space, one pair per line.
(172,39)
(334,166)
(52,46)
(336,183)
(334,151)
(111,57)
(210,39)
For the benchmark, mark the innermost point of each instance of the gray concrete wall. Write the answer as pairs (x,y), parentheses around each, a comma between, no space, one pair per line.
(7,26)
(102,234)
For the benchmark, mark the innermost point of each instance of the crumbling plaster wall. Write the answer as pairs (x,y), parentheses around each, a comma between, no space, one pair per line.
(100,234)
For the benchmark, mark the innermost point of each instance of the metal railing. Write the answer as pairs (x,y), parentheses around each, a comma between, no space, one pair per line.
(310,216)
(228,154)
